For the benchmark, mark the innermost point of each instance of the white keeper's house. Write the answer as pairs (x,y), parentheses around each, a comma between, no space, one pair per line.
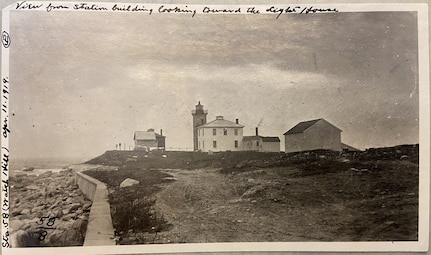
(220,135)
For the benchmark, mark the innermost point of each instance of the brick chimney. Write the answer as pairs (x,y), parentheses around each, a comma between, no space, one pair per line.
(257,131)
(161,132)
(236,121)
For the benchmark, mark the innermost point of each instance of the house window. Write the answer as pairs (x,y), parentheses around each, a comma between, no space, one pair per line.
(257,143)
(236,131)
(236,144)
(214,144)
(214,131)
(225,131)
(203,131)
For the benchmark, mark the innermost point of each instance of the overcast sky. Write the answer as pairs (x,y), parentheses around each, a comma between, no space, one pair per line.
(84,82)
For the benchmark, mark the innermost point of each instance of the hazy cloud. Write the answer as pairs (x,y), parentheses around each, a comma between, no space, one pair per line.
(84,82)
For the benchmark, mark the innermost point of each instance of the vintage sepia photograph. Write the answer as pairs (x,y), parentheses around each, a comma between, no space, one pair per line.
(135,125)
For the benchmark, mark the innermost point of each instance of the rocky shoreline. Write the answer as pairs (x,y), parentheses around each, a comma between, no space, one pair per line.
(47,210)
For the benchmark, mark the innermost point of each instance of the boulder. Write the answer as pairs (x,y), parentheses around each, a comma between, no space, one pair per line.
(22,239)
(15,212)
(78,199)
(52,192)
(38,209)
(80,225)
(33,187)
(68,237)
(25,212)
(67,217)
(53,237)
(240,165)
(56,204)
(70,182)
(32,196)
(253,191)
(16,225)
(73,187)
(128,182)
(58,213)
(87,207)
(73,207)
(23,217)
(27,226)
(72,237)
(68,200)
(79,212)
(40,202)
(46,174)
(38,214)
(64,225)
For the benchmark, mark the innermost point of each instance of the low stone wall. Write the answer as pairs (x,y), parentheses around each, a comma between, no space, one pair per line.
(87,185)
(99,229)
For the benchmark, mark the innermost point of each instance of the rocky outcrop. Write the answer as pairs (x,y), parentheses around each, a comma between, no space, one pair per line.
(48,210)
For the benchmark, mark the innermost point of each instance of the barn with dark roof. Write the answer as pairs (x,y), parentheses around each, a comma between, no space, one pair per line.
(313,135)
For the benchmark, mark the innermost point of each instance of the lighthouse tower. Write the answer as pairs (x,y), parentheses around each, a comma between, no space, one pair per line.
(199,118)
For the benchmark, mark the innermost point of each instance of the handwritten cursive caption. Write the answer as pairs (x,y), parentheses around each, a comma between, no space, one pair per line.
(178,9)
(5,161)
(5,191)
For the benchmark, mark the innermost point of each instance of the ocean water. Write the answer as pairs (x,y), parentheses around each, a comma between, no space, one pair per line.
(42,165)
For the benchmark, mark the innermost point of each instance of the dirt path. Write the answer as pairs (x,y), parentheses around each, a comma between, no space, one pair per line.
(197,204)
(206,206)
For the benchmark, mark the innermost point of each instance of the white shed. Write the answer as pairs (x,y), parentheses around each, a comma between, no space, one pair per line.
(313,135)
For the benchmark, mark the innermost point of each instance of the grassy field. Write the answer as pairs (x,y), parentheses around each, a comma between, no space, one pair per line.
(250,196)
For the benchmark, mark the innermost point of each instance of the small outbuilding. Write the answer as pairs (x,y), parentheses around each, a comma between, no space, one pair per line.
(261,143)
(313,135)
(149,140)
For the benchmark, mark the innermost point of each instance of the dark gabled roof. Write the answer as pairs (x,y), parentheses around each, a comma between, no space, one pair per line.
(302,126)
(267,139)
(250,138)
(270,139)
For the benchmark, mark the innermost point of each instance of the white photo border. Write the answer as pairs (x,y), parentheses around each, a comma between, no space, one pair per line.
(424,137)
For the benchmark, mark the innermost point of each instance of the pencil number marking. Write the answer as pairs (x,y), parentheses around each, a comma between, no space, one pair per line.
(5,39)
